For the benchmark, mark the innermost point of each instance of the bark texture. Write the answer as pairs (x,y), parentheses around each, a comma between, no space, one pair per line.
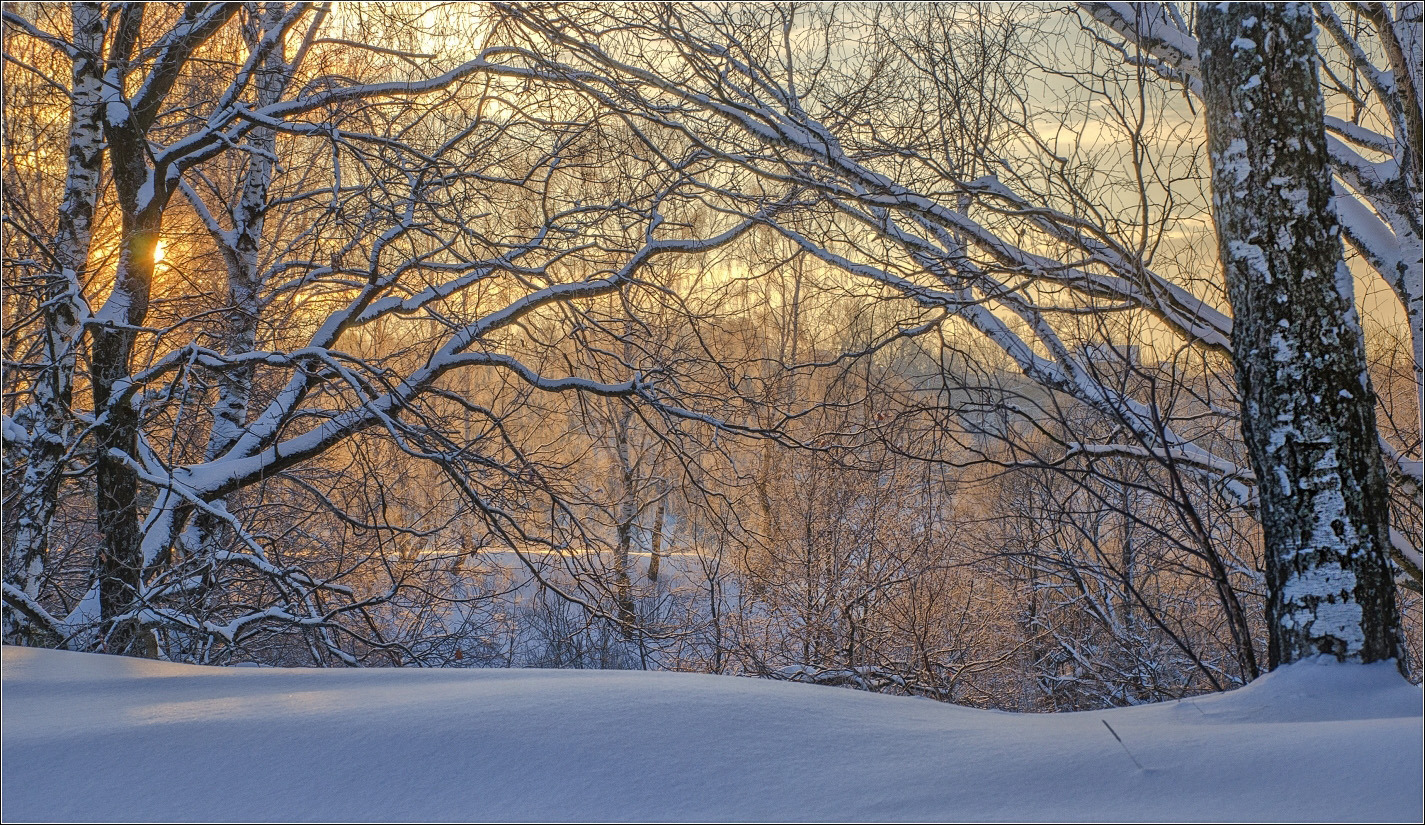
(144,187)
(239,248)
(1308,407)
(49,417)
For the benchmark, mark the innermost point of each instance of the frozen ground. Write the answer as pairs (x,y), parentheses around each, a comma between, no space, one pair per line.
(90,737)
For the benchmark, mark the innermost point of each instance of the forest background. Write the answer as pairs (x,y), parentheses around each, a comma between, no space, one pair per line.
(875,345)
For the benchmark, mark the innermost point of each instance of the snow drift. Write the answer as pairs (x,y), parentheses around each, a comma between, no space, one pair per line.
(93,737)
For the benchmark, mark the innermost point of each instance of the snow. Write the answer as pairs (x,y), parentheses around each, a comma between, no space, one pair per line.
(1234,160)
(96,737)
(1166,38)
(116,112)
(13,432)
(145,194)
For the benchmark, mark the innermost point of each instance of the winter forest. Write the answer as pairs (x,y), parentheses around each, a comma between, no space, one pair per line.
(1031,358)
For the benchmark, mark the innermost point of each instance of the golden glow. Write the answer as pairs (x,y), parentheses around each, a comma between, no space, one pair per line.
(159,250)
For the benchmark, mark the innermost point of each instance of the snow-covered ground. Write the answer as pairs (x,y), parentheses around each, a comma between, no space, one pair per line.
(90,737)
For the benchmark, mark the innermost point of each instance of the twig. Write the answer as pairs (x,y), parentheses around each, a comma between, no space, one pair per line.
(1120,742)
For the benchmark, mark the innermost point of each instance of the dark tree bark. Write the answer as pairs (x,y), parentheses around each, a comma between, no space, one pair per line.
(1308,409)
(120,561)
(144,188)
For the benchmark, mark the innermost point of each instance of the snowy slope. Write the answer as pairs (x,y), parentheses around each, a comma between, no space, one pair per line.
(96,737)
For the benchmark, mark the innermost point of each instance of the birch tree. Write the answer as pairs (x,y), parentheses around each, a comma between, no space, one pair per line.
(1374,79)
(878,184)
(391,265)
(451,211)
(1004,230)
(1308,407)
(44,427)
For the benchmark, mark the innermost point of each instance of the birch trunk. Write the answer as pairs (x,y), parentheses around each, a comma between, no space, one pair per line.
(1308,407)
(239,248)
(627,514)
(63,314)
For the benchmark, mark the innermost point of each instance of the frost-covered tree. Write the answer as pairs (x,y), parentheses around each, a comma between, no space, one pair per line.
(913,149)
(416,308)
(377,221)
(44,426)
(1373,73)
(1308,408)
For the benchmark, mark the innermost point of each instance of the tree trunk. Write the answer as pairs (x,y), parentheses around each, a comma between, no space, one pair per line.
(627,513)
(143,193)
(239,249)
(241,254)
(120,562)
(63,314)
(1308,409)
(655,546)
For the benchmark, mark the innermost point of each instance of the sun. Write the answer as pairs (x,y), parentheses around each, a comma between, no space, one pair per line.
(158,251)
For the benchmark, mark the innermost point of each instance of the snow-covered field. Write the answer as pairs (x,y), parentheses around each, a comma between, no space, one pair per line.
(90,737)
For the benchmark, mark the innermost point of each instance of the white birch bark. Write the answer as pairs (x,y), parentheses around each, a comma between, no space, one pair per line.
(47,418)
